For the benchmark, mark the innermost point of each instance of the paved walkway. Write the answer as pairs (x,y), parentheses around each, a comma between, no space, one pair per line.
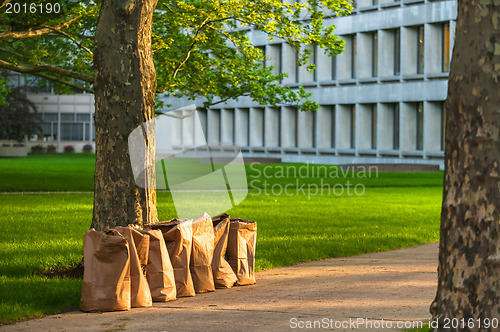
(374,290)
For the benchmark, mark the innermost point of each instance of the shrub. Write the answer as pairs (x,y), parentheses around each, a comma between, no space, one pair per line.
(87,148)
(37,149)
(17,145)
(51,148)
(69,149)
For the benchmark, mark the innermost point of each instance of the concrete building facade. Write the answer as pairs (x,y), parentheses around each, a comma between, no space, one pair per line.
(381,100)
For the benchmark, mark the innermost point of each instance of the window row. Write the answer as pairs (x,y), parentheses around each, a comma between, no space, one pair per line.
(373,4)
(70,127)
(385,53)
(361,127)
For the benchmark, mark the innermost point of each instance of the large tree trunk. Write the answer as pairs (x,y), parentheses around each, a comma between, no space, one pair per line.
(469,252)
(125,88)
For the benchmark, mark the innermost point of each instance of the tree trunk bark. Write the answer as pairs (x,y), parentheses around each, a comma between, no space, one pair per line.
(125,88)
(469,249)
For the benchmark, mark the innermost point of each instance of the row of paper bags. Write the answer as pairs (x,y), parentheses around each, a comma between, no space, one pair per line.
(129,267)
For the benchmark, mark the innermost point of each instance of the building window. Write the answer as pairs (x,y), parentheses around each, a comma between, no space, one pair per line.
(314,129)
(72,131)
(443,127)
(73,127)
(257,127)
(353,127)
(374,126)
(375,54)
(333,126)
(262,50)
(446,47)
(353,56)
(274,59)
(297,67)
(420,50)
(314,56)
(334,68)
(202,115)
(420,126)
(68,117)
(397,52)
(214,127)
(395,126)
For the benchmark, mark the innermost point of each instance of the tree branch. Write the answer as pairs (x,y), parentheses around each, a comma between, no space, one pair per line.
(41,67)
(188,54)
(228,36)
(70,37)
(35,32)
(21,69)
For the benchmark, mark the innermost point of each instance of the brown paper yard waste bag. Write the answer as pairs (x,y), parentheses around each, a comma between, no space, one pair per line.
(241,249)
(223,274)
(140,295)
(202,253)
(106,277)
(178,235)
(159,271)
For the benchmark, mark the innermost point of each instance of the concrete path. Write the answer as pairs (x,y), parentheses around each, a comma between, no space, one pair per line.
(370,292)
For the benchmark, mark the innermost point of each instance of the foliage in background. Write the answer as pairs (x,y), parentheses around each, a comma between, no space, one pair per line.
(51,148)
(87,148)
(69,149)
(18,116)
(201,48)
(38,148)
(4,88)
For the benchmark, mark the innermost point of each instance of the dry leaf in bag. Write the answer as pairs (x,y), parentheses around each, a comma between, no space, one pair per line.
(241,249)
(159,270)
(223,274)
(106,276)
(178,236)
(202,253)
(140,295)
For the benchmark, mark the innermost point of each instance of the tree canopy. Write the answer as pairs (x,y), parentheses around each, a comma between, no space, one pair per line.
(202,49)
(18,116)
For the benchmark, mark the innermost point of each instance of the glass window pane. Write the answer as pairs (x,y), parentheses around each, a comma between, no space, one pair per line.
(46,127)
(72,131)
(86,132)
(66,131)
(420,126)
(68,117)
(48,117)
(420,50)
(334,68)
(83,117)
(397,52)
(353,56)
(332,141)
(395,138)
(375,54)
(374,126)
(353,126)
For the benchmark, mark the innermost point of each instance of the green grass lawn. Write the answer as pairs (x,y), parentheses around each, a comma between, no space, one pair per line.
(45,230)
